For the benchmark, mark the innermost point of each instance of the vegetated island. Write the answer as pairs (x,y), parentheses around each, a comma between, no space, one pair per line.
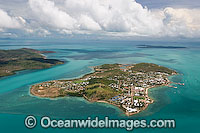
(161,47)
(123,85)
(23,59)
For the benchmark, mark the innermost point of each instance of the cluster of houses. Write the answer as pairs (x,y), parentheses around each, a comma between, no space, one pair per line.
(139,79)
(132,101)
(133,86)
(67,85)
(128,102)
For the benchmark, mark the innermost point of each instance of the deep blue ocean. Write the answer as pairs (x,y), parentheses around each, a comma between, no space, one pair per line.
(181,103)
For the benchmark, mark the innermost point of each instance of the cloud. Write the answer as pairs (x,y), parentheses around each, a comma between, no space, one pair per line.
(95,15)
(43,32)
(87,23)
(127,17)
(7,21)
(182,22)
(104,17)
(116,16)
(48,13)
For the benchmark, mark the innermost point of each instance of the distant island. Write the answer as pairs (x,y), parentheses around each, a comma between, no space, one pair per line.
(23,59)
(123,85)
(164,47)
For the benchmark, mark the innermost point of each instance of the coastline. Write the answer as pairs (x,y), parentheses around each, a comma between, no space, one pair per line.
(106,102)
(146,106)
(32,60)
(125,111)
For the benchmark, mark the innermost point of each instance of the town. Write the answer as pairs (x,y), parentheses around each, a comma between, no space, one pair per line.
(123,85)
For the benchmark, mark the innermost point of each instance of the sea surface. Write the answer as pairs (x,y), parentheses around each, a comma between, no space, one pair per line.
(181,103)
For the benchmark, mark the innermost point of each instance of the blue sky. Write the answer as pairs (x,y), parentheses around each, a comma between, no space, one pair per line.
(170,3)
(109,18)
(149,3)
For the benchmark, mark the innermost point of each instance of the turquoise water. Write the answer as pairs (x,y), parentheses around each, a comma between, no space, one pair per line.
(181,104)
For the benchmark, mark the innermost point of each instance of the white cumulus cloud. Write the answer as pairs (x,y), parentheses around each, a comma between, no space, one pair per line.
(7,21)
(116,16)
(183,22)
(105,17)
(48,13)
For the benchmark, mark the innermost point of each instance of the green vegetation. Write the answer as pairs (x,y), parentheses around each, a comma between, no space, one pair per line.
(78,81)
(22,59)
(109,66)
(104,81)
(149,67)
(99,92)
(92,86)
(112,73)
(74,94)
(7,55)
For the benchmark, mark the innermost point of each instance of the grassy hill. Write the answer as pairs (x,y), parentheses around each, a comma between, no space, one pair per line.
(99,92)
(150,67)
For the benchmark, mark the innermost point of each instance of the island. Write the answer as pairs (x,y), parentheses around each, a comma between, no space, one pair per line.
(122,85)
(23,59)
(161,47)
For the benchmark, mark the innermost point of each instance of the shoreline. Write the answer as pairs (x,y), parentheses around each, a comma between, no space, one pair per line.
(128,113)
(13,68)
(54,94)
(106,102)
